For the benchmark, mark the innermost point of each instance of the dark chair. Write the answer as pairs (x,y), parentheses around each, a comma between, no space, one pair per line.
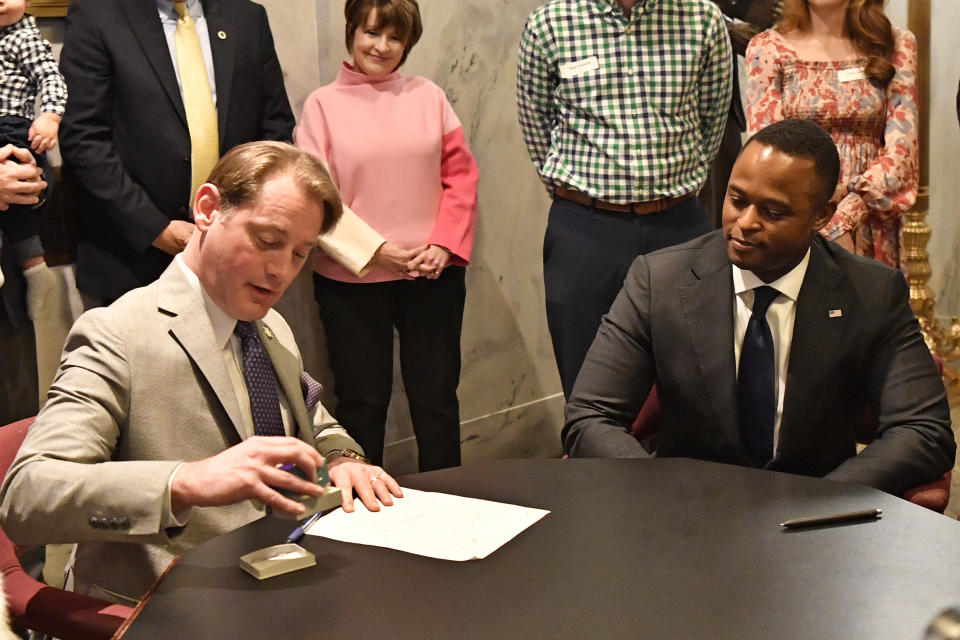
(34,605)
(934,495)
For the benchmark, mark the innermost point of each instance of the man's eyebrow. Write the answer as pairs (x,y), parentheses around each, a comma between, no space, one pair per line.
(267,226)
(775,201)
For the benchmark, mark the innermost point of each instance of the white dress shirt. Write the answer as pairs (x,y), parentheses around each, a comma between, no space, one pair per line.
(780,316)
(229,343)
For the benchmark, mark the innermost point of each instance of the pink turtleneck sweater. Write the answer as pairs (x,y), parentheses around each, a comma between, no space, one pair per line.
(396,150)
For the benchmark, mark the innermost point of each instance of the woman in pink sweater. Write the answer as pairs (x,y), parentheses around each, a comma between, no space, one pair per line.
(397,152)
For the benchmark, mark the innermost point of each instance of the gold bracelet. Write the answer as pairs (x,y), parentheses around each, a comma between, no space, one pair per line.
(344,453)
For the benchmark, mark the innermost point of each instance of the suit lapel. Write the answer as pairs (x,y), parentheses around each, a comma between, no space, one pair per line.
(190,327)
(825,305)
(145,24)
(287,368)
(220,29)
(707,305)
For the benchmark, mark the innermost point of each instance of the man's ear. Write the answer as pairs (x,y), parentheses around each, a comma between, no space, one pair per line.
(206,206)
(824,216)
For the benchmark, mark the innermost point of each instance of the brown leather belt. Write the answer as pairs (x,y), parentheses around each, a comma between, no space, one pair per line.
(639,208)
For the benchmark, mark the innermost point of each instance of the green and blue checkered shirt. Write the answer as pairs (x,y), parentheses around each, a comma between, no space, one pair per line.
(624,110)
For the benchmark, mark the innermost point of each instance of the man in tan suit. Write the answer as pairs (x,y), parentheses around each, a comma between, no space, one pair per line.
(147,443)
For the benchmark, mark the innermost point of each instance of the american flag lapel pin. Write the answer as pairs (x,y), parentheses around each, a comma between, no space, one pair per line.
(834,313)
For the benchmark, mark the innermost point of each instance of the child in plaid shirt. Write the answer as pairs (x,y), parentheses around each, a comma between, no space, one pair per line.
(27,68)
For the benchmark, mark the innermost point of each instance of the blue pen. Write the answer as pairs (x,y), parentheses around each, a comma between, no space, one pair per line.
(299,531)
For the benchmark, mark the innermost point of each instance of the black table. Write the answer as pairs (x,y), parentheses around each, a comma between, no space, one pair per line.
(664,548)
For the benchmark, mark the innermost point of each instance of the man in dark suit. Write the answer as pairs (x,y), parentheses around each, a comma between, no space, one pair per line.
(839,336)
(125,137)
(21,182)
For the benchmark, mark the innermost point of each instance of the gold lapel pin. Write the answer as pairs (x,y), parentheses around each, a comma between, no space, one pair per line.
(267,332)
(222,35)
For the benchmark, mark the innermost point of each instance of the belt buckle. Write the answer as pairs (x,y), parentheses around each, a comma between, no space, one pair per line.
(654,206)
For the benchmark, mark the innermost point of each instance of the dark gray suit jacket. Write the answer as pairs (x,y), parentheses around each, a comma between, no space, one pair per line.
(124,136)
(673,324)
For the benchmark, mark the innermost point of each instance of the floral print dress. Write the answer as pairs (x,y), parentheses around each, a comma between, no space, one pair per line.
(875,129)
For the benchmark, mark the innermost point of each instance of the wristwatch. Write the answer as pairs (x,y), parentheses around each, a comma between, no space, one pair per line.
(344,453)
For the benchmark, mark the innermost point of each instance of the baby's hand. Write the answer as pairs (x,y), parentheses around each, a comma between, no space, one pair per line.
(43,132)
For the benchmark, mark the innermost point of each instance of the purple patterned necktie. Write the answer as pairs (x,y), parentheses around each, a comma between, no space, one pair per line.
(261,382)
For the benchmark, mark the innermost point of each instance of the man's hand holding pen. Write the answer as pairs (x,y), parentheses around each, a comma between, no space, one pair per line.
(252,470)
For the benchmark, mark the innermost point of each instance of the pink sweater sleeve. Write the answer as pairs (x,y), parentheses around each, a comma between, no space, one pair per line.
(457,215)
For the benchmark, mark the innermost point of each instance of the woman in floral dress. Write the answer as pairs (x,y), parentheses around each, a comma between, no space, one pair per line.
(842,64)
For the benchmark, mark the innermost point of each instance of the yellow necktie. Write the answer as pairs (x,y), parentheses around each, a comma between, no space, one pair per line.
(197,100)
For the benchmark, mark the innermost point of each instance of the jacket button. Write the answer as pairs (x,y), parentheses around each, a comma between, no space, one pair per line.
(124,523)
(95,522)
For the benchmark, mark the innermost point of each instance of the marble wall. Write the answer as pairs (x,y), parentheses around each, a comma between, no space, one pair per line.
(509,391)
(943,150)
(944,153)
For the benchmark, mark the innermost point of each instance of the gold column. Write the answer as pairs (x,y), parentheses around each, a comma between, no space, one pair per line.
(916,231)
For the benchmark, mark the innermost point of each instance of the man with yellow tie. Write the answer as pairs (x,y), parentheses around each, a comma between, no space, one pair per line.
(159,90)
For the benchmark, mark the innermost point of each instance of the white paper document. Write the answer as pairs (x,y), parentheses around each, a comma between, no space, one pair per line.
(436,525)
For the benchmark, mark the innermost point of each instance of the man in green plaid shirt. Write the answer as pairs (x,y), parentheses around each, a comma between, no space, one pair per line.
(622,104)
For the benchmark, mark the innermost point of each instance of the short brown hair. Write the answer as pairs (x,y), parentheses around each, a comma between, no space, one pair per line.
(241,173)
(402,15)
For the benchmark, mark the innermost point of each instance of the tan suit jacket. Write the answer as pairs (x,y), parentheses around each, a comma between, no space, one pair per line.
(142,387)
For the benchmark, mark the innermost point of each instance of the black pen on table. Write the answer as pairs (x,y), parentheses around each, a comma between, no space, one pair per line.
(299,531)
(837,518)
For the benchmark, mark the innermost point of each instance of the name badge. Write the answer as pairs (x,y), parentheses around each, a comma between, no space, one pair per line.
(849,75)
(579,67)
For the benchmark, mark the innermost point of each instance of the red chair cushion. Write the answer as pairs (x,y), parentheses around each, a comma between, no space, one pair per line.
(933,495)
(34,605)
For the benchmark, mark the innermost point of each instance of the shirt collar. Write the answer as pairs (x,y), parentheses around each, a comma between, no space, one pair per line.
(194,8)
(350,76)
(222,323)
(25,22)
(613,6)
(788,284)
